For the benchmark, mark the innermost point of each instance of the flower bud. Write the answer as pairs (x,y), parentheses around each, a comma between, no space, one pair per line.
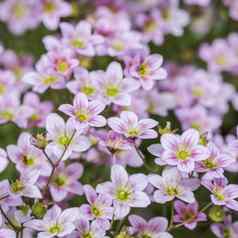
(216,214)
(38,210)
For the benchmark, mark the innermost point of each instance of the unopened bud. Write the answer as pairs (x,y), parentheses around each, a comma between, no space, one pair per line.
(216,214)
(38,210)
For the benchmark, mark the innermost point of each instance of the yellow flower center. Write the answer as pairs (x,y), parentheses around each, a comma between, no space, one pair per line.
(96,211)
(49,7)
(209,163)
(6,115)
(78,43)
(49,80)
(55,229)
(64,140)
(183,154)
(82,116)
(88,90)
(112,91)
(62,66)
(150,26)
(172,191)
(28,160)
(133,132)
(60,180)
(2,89)
(123,194)
(144,70)
(19,10)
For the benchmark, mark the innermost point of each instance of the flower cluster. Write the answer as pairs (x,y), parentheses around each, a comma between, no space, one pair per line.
(92,157)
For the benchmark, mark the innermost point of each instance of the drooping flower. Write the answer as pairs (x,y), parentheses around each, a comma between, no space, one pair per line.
(173,185)
(188,214)
(126,191)
(84,112)
(129,125)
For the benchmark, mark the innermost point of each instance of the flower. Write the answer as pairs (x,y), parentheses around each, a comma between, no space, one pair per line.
(55,222)
(130,127)
(84,112)
(171,184)
(155,227)
(87,229)
(126,191)
(52,11)
(217,160)
(146,69)
(183,151)
(27,157)
(65,181)
(188,214)
(26,185)
(86,82)
(80,38)
(113,88)
(99,208)
(63,137)
(223,194)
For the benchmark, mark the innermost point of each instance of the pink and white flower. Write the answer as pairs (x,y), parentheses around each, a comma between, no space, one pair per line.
(84,113)
(129,125)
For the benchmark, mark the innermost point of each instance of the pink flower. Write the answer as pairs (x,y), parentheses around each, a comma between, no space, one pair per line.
(55,222)
(84,228)
(113,88)
(99,208)
(146,68)
(156,227)
(39,109)
(65,181)
(223,194)
(52,11)
(173,185)
(27,157)
(80,38)
(188,214)
(130,127)
(216,160)
(126,191)
(86,82)
(183,151)
(63,137)
(26,185)
(84,112)
(219,56)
